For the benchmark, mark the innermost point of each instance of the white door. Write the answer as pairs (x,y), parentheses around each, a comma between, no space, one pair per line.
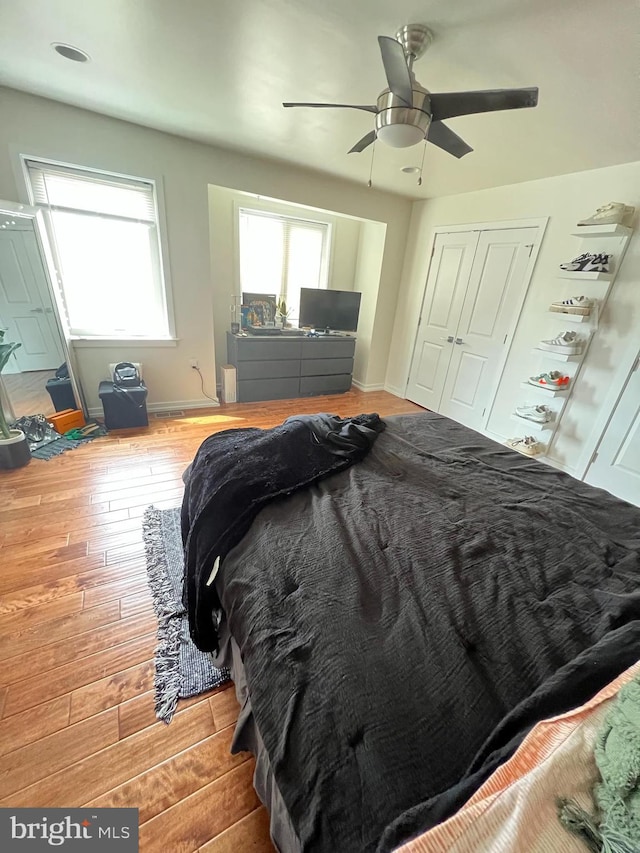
(489,315)
(476,285)
(616,467)
(26,310)
(447,283)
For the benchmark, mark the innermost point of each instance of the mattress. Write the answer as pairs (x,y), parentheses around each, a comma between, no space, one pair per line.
(247,738)
(398,628)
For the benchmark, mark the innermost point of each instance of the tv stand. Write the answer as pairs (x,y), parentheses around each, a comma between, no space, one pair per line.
(277,368)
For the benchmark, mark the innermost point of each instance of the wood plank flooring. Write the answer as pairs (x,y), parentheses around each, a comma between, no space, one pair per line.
(77,635)
(28,393)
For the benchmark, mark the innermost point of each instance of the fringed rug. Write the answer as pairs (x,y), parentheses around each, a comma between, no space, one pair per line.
(182,670)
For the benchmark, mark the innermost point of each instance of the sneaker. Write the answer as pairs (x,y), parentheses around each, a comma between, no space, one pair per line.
(567,343)
(537,414)
(552,381)
(577,264)
(528,445)
(574,305)
(598,263)
(613,213)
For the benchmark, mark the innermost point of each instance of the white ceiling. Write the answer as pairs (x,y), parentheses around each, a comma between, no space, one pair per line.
(218,70)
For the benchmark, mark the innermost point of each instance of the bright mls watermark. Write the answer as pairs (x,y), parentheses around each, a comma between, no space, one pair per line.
(79,830)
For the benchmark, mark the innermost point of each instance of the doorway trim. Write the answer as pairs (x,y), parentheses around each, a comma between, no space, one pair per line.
(537,222)
(628,365)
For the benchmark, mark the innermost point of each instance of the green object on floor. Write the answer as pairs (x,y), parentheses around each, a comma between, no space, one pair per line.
(81,432)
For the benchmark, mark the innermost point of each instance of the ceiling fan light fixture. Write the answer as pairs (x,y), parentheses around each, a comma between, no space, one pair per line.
(410,170)
(400,135)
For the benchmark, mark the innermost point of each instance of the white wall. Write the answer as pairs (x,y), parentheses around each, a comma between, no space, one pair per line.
(223,205)
(566,200)
(46,128)
(370,255)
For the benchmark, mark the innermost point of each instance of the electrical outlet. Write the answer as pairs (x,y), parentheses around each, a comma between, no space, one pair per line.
(194,364)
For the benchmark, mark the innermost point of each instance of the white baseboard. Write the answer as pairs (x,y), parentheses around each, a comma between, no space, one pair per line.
(397,392)
(361,387)
(96,411)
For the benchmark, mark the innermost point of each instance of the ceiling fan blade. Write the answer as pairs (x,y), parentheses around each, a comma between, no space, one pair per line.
(370,108)
(363,143)
(396,69)
(442,136)
(485,101)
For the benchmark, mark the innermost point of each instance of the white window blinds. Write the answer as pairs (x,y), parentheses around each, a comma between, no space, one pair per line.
(105,240)
(61,188)
(280,254)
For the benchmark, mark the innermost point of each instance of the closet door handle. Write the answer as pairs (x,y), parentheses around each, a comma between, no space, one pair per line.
(459,341)
(37,311)
(448,339)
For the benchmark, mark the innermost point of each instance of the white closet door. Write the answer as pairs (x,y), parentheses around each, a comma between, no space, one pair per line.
(445,292)
(616,467)
(489,314)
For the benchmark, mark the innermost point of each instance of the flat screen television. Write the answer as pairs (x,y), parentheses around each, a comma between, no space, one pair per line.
(329,309)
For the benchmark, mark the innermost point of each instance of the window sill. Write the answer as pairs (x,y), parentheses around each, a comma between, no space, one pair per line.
(82,343)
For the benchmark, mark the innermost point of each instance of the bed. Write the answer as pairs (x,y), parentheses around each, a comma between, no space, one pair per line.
(395,628)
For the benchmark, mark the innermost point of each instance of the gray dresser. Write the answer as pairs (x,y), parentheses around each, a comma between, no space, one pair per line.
(274,368)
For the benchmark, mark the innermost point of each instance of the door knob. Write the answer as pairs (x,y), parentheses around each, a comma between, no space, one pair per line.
(449,339)
(37,311)
(459,341)
(48,310)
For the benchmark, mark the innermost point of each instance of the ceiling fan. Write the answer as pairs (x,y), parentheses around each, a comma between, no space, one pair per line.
(407,113)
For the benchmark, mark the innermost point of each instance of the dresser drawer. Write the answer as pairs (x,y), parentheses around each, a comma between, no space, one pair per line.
(268,349)
(252,390)
(328,347)
(326,366)
(311,385)
(275,369)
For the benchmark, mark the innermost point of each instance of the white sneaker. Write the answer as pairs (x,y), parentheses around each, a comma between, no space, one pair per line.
(528,445)
(574,305)
(537,414)
(567,343)
(610,214)
(598,263)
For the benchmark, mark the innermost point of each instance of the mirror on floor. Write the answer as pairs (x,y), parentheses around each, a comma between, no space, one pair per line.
(36,379)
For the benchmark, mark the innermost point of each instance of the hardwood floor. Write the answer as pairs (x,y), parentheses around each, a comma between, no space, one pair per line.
(77,635)
(28,393)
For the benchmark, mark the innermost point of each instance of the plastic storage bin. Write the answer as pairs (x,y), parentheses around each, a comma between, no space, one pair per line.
(61,394)
(123,407)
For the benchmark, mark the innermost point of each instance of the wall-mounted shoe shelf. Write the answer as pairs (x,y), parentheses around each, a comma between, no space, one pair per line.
(546,392)
(557,356)
(571,318)
(602,231)
(607,239)
(586,276)
(531,426)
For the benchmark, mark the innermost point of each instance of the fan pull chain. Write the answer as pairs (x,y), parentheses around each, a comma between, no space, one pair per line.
(373,154)
(424,151)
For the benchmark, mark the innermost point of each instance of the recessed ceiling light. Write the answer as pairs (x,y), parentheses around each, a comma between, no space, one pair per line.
(70,52)
(410,170)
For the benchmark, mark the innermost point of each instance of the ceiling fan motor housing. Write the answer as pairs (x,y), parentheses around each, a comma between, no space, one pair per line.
(401,126)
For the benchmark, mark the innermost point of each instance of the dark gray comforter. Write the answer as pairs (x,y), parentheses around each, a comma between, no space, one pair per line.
(400,618)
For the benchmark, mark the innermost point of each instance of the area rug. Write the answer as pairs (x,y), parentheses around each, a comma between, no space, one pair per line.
(182,670)
(45,443)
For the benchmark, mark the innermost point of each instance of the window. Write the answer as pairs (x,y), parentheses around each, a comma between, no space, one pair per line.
(104,233)
(280,254)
